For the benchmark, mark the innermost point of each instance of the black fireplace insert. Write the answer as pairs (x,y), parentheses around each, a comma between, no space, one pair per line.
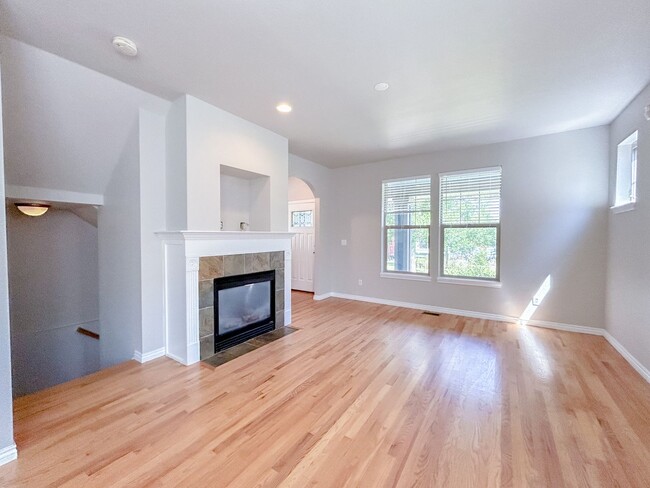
(244,307)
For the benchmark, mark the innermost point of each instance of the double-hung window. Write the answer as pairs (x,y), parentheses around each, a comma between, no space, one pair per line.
(406,226)
(470,224)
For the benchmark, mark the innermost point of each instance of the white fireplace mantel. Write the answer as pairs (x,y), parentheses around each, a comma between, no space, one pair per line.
(182,251)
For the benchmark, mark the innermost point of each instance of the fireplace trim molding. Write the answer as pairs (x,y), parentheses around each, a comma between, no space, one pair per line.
(182,251)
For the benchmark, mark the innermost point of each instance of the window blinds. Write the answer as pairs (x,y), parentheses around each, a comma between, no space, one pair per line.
(471,198)
(407,201)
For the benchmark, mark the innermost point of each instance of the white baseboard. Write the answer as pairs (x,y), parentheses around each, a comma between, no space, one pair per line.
(323,296)
(428,308)
(634,362)
(8,454)
(148,356)
(178,359)
(580,329)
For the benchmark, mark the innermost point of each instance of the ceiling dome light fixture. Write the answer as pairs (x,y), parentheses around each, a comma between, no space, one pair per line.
(383,86)
(125,46)
(33,209)
(284,108)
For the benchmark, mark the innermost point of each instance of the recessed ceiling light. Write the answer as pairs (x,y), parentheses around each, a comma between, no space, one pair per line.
(285,108)
(383,86)
(125,46)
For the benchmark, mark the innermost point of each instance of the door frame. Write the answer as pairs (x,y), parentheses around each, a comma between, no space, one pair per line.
(317,237)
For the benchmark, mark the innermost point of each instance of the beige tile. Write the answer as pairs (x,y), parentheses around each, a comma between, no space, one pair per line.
(234,265)
(206,293)
(259,261)
(279,299)
(279,319)
(279,279)
(210,268)
(206,321)
(207,347)
(277,260)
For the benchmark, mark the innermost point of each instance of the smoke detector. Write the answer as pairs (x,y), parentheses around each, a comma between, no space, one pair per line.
(125,46)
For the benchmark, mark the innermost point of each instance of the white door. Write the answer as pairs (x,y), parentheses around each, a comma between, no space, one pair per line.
(302,219)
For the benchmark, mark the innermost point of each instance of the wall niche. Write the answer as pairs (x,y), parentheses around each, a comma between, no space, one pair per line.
(245,197)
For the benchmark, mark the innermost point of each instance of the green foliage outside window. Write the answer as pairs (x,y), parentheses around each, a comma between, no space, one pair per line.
(470,252)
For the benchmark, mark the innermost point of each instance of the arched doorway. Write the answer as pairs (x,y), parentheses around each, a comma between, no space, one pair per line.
(303,222)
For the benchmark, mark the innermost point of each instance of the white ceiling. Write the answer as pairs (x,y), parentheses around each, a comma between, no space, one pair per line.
(461,72)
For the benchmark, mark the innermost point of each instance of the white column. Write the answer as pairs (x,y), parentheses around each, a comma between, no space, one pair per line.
(192,310)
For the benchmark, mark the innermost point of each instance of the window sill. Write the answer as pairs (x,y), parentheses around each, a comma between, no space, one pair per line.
(405,276)
(470,282)
(626,207)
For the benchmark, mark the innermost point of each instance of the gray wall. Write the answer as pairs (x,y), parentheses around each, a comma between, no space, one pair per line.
(554,222)
(53,285)
(152,219)
(120,312)
(6,405)
(628,270)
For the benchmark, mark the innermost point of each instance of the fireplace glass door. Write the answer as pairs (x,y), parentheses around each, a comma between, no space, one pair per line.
(244,306)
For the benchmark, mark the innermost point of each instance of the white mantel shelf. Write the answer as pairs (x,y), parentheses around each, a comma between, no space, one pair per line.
(187,235)
(182,251)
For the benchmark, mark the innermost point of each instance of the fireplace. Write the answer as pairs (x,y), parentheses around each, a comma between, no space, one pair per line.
(244,307)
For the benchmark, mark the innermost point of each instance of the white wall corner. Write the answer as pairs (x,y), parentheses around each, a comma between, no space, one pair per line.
(8,454)
(634,362)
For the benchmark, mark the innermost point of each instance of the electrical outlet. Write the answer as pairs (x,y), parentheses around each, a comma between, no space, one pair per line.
(344,242)
(360,282)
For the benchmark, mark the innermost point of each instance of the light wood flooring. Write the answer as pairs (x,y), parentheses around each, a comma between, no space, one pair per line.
(362,396)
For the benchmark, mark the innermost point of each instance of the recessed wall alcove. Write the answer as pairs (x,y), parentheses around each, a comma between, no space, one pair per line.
(245,197)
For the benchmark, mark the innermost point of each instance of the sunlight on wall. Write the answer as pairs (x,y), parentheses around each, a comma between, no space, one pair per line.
(537,300)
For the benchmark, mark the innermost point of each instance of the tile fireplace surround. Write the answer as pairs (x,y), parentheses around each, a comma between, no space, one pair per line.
(236,264)
(193,259)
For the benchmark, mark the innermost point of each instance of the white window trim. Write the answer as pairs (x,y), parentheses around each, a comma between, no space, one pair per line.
(469,282)
(627,204)
(474,170)
(405,276)
(624,207)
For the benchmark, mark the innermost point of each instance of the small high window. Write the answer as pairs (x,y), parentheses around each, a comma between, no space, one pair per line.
(626,162)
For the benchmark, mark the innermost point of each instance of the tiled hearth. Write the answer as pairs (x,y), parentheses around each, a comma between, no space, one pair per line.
(236,264)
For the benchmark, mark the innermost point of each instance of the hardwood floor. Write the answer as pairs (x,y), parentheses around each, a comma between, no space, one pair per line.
(362,396)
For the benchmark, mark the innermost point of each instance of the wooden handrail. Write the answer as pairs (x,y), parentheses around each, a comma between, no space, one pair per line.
(89,333)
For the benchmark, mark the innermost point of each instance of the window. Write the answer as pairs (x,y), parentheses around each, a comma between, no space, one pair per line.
(626,161)
(302,218)
(470,224)
(406,225)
